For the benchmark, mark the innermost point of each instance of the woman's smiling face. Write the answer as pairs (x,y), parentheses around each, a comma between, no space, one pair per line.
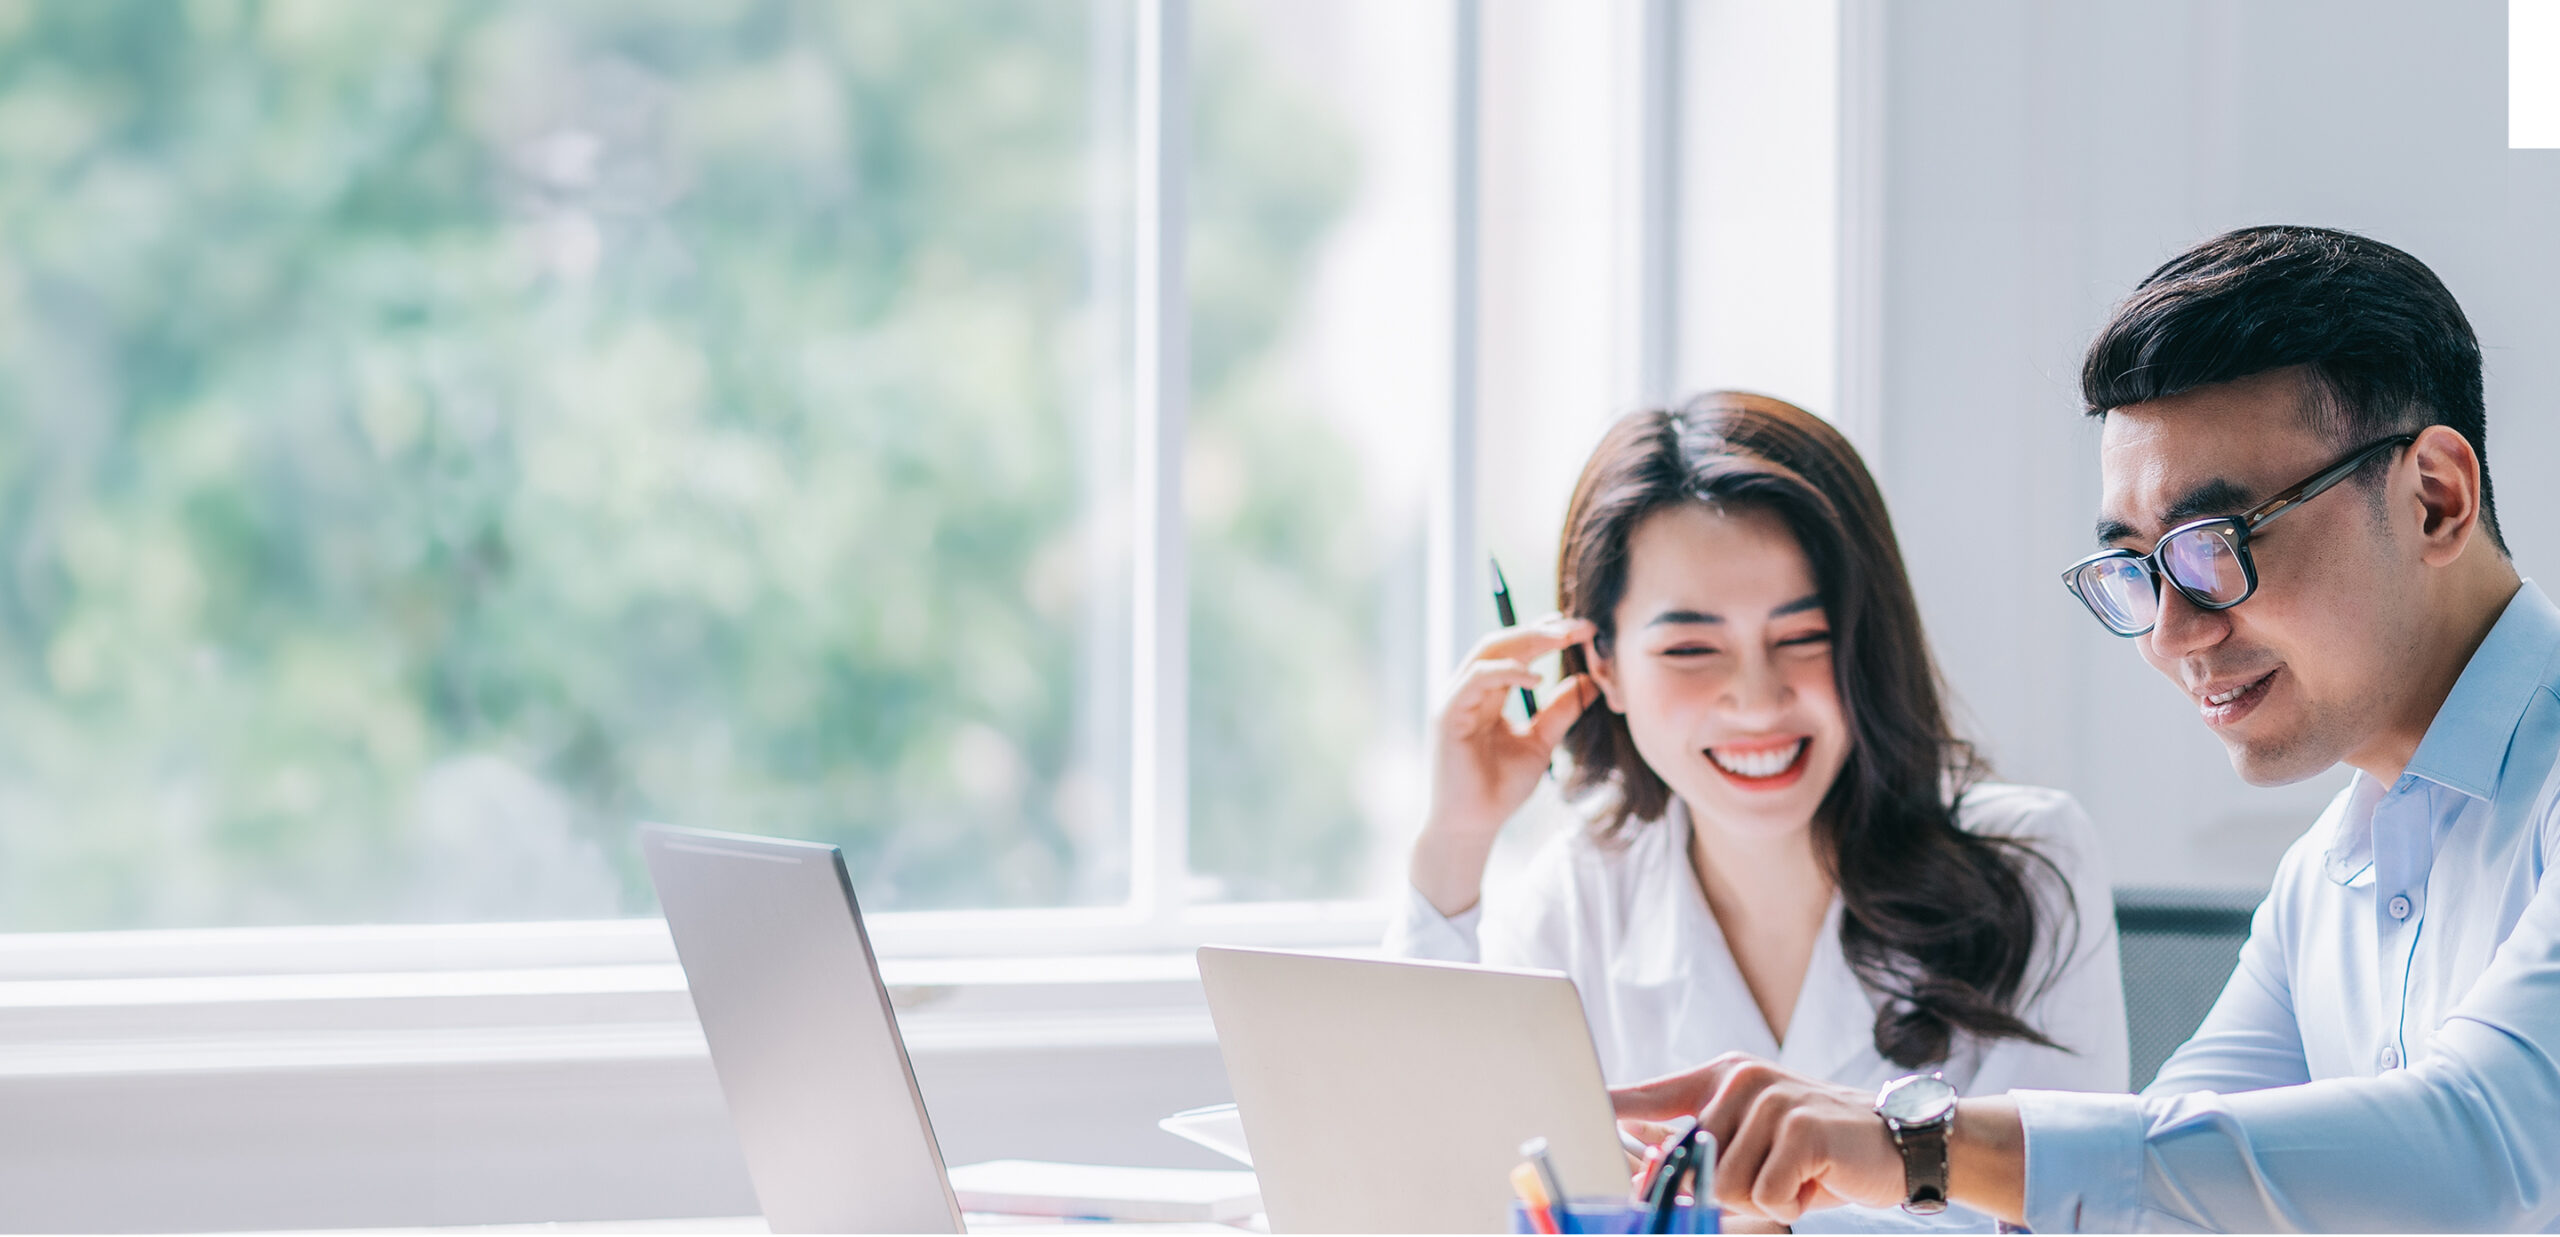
(1721,663)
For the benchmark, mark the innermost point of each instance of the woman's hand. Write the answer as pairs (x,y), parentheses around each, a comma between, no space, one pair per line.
(1482,769)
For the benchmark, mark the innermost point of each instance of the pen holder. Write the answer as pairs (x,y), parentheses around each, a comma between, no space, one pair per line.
(1616,1215)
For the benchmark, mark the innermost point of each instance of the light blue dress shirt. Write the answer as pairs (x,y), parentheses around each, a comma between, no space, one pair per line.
(2387,1055)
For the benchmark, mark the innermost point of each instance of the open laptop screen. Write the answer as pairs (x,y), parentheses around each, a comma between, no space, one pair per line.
(801,1033)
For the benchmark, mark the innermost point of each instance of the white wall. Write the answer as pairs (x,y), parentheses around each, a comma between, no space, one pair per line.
(1759,194)
(2039,159)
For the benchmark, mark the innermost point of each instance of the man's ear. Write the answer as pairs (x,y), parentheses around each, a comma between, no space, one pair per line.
(1603,671)
(2448,493)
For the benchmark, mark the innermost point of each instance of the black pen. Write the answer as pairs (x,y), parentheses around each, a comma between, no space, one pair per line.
(1666,1186)
(1502,610)
(1657,1157)
(1702,1171)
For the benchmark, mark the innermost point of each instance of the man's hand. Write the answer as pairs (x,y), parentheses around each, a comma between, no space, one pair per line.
(1789,1145)
(1786,1145)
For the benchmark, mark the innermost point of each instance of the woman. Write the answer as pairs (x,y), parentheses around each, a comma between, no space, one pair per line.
(1788,852)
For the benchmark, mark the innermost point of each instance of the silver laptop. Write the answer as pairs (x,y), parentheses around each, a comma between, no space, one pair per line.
(1393,1097)
(802,1034)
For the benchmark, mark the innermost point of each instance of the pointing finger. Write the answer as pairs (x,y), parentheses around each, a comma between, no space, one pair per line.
(1535,640)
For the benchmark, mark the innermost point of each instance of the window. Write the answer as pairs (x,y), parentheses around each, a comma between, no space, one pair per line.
(1317,385)
(435,438)
(438,437)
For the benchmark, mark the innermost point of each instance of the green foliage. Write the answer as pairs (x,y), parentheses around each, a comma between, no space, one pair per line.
(1294,643)
(436,435)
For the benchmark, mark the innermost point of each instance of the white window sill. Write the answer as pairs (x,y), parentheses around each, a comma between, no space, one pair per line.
(391,1019)
(405,1076)
(916,935)
(264,1000)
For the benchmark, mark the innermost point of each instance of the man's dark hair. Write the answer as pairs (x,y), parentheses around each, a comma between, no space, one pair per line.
(2384,347)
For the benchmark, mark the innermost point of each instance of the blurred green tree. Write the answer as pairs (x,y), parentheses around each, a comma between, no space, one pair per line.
(1285,674)
(436,435)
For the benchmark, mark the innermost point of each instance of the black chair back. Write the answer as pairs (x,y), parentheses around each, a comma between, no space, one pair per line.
(2178,947)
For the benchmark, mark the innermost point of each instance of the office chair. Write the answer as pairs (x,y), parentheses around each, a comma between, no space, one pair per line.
(2178,947)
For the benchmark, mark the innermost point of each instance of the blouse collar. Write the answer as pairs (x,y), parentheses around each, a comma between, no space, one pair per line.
(1834,1017)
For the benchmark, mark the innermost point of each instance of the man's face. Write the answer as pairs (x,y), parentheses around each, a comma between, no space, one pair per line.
(2299,676)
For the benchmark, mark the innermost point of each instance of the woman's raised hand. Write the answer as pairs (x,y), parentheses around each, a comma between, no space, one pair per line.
(1482,767)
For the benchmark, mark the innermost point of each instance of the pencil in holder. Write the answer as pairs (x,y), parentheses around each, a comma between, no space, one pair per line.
(1616,1215)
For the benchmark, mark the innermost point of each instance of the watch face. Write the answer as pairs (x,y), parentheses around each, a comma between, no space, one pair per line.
(1917,1100)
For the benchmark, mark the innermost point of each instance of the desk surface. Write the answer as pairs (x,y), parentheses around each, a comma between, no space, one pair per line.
(1026,1226)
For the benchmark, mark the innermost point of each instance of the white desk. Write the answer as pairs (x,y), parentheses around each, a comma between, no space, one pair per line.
(1025,1226)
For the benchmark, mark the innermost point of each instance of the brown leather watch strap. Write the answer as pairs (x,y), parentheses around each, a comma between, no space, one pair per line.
(1924,1166)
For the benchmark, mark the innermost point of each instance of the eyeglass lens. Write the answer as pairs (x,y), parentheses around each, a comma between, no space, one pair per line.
(2203,562)
(2206,563)
(2120,591)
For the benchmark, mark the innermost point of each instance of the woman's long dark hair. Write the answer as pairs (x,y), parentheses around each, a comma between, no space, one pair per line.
(1937,920)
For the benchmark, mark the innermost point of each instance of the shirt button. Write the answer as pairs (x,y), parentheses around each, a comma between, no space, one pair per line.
(2391,1056)
(2399,906)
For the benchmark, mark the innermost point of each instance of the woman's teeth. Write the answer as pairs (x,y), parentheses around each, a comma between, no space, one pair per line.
(1763,762)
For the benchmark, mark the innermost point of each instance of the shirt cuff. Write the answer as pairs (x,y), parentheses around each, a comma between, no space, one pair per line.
(2084,1160)
(1421,931)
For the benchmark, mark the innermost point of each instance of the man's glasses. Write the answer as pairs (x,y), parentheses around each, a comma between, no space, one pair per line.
(2207,560)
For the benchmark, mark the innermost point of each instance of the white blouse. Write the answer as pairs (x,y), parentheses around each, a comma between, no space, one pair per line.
(1663,994)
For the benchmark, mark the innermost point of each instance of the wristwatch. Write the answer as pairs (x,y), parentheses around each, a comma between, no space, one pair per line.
(1917,1109)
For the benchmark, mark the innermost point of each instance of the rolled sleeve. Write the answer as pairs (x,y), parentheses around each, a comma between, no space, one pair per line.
(2084,1160)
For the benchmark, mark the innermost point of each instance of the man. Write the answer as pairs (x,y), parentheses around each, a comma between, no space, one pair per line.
(2298,532)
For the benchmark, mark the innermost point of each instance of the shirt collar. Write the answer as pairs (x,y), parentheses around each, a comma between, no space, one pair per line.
(2465,747)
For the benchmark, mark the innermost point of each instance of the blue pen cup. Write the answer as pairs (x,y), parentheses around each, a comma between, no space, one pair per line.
(1616,1215)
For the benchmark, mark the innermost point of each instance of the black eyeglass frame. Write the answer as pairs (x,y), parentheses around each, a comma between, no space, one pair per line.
(2236,534)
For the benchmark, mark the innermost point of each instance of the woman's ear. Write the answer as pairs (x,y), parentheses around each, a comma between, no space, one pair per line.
(1604,672)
